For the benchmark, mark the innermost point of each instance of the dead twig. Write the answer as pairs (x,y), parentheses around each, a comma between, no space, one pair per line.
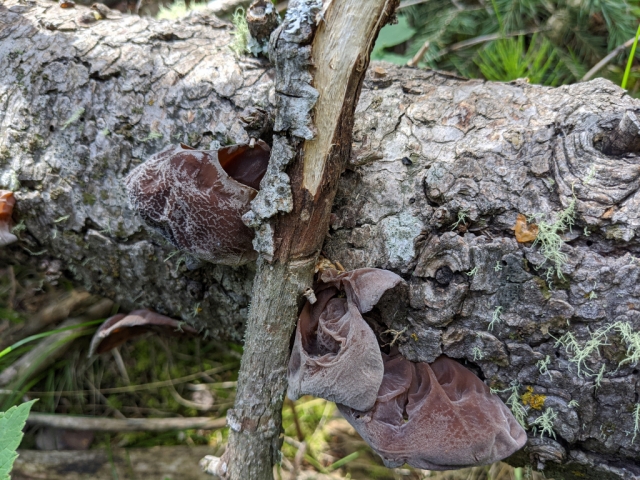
(74,301)
(296,420)
(49,349)
(482,39)
(72,422)
(12,288)
(418,56)
(598,66)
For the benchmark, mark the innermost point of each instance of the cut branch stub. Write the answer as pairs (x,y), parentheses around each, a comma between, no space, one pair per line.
(196,199)
(625,138)
(597,181)
(335,354)
(437,417)
(262,18)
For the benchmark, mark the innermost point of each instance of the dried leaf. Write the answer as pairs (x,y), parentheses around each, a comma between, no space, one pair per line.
(118,329)
(608,213)
(525,232)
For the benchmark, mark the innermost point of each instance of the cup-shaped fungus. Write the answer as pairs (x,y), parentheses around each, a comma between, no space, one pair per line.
(7,201)
(119,328)
(437,416)
(335,353)
(196,198)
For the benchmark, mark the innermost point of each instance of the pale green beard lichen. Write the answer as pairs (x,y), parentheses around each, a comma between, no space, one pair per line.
(462,218)
(550,241)
(477,354)
(636,421)
(495,318)
(543,365)
(75,116)
(513,402)
(544,423)
(241,33)
(580,353)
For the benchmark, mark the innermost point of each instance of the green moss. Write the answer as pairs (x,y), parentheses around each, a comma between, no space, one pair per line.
(614,232)
(194,138)
(34,143)
(5,154)
(125,131)
(88,198)
(177,9)
(56,192)
(544,288)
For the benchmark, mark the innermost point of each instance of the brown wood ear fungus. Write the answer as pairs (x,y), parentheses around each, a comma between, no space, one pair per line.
(196,198)
(335,353)
(437,416)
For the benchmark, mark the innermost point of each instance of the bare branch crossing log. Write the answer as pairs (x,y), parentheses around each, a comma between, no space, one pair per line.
(321,52)
(439,171)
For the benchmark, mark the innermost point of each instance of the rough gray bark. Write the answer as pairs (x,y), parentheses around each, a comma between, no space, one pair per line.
(426,147)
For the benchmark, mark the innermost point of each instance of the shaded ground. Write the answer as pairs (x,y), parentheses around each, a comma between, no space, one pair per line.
(198,379)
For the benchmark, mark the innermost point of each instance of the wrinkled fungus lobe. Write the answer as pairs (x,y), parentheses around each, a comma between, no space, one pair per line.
(196,198)
(119,328)
(335,353)
(437,416)
(7,201)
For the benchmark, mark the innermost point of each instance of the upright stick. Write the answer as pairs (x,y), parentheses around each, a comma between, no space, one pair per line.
(309,158)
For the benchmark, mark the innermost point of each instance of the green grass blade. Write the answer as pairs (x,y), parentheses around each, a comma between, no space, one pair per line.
(46,334)
(343,461)
(632,55)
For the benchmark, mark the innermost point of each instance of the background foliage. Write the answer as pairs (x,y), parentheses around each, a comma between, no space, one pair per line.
(552,42)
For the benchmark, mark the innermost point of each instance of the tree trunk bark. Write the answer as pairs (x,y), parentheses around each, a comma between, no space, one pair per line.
(440,168)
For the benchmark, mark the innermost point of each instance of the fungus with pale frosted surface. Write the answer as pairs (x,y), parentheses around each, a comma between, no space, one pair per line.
(335,353)
(7,201)
(196,198)
(437,416)
(119,328)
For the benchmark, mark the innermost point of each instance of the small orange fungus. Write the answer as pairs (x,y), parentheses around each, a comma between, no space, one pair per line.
(525,232)
(535,401)
(7,201)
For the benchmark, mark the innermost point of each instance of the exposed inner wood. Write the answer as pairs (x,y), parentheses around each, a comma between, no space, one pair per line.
(340,54)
